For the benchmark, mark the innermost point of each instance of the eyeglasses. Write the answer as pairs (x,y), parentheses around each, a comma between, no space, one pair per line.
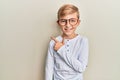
(72,21)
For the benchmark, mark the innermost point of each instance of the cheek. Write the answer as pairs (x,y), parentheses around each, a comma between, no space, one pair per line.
(74,27)
(61,27)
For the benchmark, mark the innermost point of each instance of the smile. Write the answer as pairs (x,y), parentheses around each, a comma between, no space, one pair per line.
(68,28)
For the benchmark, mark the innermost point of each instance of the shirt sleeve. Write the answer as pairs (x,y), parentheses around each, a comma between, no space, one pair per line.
(49,64)
(79,64)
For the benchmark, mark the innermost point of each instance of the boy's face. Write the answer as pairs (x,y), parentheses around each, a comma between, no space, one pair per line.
(68,24)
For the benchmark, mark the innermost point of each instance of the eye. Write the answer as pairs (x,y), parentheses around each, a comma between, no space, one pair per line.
(72,20)
(62,20)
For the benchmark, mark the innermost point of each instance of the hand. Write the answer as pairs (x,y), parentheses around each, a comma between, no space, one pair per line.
(58,44)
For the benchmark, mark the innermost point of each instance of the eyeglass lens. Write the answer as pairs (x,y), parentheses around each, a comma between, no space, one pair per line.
(72,21)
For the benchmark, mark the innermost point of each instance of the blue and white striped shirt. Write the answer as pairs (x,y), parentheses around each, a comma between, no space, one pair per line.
(69,62)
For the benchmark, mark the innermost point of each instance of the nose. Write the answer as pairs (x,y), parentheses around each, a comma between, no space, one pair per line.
(68,24)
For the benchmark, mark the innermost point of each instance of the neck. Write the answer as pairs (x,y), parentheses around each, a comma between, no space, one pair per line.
(69,36)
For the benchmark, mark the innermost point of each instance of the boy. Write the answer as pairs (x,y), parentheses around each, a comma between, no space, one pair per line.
(67,55)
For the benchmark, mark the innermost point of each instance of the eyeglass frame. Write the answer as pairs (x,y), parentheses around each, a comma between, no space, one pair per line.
(66,21)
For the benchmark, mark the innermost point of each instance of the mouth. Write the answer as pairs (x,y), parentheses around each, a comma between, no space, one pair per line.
(68,29)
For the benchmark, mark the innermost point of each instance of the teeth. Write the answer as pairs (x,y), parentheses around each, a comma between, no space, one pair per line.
(68,29)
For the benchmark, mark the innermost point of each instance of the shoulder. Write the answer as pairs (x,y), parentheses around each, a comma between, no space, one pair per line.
(83,39)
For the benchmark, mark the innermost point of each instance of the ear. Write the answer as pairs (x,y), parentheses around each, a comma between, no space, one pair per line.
(57,22)
(79,21)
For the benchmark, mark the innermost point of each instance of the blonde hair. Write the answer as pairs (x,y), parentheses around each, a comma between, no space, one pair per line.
(67,9)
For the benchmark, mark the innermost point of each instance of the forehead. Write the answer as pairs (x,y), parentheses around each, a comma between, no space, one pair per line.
(73,15)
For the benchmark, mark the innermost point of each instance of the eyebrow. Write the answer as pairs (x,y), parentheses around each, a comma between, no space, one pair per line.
(67,19)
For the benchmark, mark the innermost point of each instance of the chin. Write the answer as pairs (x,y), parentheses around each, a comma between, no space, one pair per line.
(68,34)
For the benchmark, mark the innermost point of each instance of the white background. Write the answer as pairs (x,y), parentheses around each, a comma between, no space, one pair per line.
(26,27)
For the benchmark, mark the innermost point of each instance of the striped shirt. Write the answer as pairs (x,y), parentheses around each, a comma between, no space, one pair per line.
(69,62)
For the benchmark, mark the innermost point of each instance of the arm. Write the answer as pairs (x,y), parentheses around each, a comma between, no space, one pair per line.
(49,64)
(79,64)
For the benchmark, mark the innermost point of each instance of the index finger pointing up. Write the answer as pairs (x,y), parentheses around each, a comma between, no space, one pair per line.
(54,39)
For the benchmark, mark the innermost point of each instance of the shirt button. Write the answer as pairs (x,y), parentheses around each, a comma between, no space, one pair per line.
(67,50)
(67,45)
